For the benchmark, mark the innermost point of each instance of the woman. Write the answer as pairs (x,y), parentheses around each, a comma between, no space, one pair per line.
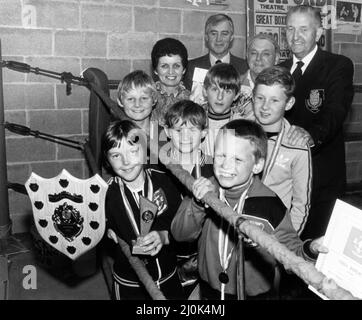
(169,63)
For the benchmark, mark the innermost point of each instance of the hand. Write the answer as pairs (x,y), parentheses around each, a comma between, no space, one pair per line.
(316,246)
(153,242)
(202,186)
(298,136)
(112,235)
(250,243)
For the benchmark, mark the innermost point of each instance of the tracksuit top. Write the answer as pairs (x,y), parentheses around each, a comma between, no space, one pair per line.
(168,199)
(290,176)
(263,205)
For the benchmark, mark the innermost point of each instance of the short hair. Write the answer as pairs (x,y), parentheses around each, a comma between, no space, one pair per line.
(117,131)
(186,111)
(167,47)
(216,19)
(224,75)
(314,12)
(263,36)
(136,79)
(249,130)
(276,75)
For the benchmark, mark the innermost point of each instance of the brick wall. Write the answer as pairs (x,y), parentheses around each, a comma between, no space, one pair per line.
(71,35)
(117,37)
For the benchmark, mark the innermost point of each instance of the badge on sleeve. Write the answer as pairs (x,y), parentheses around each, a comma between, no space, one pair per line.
(315,100)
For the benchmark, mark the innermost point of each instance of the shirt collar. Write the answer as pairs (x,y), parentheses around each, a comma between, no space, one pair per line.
(251,82)
(159,88)
(224,59)
(306,60)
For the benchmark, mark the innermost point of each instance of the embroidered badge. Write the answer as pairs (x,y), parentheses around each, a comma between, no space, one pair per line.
(159,198)
(315,100)
(282,161)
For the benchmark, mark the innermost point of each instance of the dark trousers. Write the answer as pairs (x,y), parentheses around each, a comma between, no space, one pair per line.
(209,293)
(318,219)
(171,289)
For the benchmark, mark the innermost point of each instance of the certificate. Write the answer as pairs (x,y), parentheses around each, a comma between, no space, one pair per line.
(343,238)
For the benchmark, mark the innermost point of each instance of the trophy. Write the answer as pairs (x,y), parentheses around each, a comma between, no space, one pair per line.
(148,211)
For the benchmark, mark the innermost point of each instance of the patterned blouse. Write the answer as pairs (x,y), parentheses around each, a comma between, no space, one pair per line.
(165,101)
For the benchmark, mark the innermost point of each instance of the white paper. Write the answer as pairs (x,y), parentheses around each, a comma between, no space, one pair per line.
(198,85)
(199,75)
(343,238)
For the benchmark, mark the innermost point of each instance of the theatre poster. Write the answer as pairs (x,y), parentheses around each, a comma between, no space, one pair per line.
(268,16)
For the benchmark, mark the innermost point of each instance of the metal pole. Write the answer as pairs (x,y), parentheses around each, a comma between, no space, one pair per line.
(5,222)
(240,269)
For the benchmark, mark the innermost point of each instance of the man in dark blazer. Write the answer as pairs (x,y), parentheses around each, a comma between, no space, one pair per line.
(324,93)
(219,35)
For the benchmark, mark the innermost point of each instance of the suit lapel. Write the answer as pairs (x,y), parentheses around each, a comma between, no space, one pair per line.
(206,62)
(287,64)
(313,68)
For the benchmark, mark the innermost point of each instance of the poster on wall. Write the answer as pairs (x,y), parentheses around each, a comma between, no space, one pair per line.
(348,15)
(268,16)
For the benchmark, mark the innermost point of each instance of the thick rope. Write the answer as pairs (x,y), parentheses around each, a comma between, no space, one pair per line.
(141,272)
(302,268)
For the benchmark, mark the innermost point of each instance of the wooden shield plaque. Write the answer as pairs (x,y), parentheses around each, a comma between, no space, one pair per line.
(68,212)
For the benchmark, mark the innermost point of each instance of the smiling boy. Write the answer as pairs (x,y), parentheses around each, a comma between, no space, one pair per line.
(125,153)
(186,126)
(221,89)
(240,153)
(288,169)
(137,96)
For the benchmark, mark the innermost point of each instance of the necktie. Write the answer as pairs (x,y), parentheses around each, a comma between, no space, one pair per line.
(297,74)
(218,61)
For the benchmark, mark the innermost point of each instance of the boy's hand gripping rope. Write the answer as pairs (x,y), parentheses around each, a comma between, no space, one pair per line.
(302,268)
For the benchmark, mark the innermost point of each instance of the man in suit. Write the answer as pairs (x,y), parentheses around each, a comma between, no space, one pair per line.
(324,93)
(219,35)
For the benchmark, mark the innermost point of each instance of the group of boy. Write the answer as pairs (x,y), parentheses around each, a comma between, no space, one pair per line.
(186,126)
(248,164)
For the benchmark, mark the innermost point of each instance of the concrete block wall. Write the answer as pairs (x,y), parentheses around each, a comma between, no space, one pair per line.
(71,35)
(116,36)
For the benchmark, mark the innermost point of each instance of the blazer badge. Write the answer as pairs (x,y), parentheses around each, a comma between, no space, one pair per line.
(159,198)
(315,100)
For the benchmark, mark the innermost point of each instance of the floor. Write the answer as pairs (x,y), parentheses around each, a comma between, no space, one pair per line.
(32,276)
(35,275)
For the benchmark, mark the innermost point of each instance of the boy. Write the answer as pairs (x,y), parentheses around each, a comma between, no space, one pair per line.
(288,169)
(125,154)
(186,126)
(240,152)
(137,95)
(221,89)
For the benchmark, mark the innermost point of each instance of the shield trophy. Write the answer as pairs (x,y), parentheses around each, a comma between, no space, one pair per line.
(148,211)
(68,212)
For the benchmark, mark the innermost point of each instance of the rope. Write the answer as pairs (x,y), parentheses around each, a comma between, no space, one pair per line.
(302,268)
(141,272)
